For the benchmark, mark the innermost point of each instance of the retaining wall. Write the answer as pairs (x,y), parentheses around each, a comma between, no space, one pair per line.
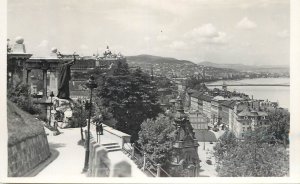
(26,155)
(27,143)
(115,135)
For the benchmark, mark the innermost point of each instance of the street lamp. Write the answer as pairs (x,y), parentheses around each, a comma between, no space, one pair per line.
(51,96)
(81,119)
(91,85)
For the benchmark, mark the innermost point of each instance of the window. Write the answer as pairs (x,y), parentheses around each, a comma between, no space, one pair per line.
(243,129)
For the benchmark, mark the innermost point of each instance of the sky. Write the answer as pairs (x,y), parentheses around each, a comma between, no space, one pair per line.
(252,32)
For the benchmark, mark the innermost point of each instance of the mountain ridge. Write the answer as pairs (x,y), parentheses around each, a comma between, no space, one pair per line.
(147,59)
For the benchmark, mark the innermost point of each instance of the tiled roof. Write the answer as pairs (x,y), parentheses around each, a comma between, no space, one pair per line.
(229,103)
(206,98)
(248,112)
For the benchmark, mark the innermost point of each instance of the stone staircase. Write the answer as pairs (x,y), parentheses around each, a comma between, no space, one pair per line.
(111,147)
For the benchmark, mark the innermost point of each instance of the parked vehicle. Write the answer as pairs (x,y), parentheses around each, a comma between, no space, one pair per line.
(215,129)
(209,162)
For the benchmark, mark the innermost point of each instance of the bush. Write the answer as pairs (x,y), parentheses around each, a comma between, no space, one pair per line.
(20,95)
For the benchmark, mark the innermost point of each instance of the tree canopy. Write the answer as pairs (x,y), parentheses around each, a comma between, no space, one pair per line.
(130,96)
(255,156)
(156,138)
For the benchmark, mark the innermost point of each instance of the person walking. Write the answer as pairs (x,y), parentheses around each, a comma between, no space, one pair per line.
(98,131)
(101,129)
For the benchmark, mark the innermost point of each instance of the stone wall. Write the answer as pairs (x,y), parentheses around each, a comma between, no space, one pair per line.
(27,143)
(26,155)
(100,165)
(115,135)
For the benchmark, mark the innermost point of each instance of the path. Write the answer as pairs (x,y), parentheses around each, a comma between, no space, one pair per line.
(70,161)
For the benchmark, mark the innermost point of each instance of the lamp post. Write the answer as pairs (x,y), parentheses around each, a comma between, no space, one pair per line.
(91,85)
(81,119)
(51,96)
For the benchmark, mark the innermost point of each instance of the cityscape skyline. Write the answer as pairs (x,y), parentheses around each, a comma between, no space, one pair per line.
(217,31)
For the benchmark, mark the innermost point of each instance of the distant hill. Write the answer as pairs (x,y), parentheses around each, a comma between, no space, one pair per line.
(242,67)
(144,59)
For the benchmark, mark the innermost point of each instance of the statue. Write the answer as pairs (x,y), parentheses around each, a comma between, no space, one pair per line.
(64,78)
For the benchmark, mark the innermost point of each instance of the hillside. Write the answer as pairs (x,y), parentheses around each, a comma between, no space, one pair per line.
(149,59)
(242,67)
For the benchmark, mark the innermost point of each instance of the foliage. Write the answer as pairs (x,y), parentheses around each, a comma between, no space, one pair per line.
(225,143)
(156,138)
(254,156)
(196,83)
(279,125)
(80,114)
(20,95)
(129,96)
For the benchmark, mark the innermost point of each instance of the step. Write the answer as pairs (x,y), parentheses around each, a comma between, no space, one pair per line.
(111,147)
(109,144)
(114,149)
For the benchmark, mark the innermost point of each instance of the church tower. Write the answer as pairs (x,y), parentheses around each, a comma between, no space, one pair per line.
(185,156)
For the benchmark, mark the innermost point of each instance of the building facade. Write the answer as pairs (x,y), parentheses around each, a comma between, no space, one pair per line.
(244,118)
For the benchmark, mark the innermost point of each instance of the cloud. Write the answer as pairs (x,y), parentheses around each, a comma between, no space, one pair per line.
(44,43)
(177,45)
(207,30)
(207,33)
(162,37)
(147,38)
(245,23)
(283,33)
(83,47)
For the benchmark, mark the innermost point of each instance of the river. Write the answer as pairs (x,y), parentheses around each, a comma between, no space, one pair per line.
(279,94)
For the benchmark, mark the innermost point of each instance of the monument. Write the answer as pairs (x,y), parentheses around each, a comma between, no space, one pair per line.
(64,78)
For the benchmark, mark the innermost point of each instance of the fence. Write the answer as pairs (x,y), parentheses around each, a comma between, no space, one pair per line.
(143,160)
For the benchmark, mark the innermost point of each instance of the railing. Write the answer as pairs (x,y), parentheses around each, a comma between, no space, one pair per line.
(148,166)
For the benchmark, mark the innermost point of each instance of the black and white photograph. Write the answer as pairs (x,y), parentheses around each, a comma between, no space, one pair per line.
(148,89)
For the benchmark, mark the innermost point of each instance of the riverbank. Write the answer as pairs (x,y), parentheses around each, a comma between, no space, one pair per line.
(280,94)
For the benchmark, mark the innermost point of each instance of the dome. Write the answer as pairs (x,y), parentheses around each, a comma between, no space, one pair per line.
(19,40)
(54,50)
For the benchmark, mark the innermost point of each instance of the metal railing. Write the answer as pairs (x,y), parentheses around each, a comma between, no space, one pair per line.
(144,161)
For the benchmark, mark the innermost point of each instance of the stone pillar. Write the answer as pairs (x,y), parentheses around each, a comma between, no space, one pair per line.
(158,170)
(44,84)
(144,162)
(132,152)
(53,82)
(102,163)
(121,169)
(27,80)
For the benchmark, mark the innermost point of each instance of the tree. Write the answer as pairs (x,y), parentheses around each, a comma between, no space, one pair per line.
(254,156)
(20,94)
(80,115)
(225,143)
(130,97)
(156,138)
(279,125)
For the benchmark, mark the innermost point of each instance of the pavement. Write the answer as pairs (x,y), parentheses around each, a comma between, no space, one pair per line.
(205,152)
(70,160)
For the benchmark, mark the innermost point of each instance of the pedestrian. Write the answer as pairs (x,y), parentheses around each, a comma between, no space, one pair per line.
(98,131)
(101,129)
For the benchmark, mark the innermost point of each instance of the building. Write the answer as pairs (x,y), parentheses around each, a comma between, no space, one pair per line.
(216,109)
(225,111)
(244,118)
(194,101)
(206,99)
(198,120)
